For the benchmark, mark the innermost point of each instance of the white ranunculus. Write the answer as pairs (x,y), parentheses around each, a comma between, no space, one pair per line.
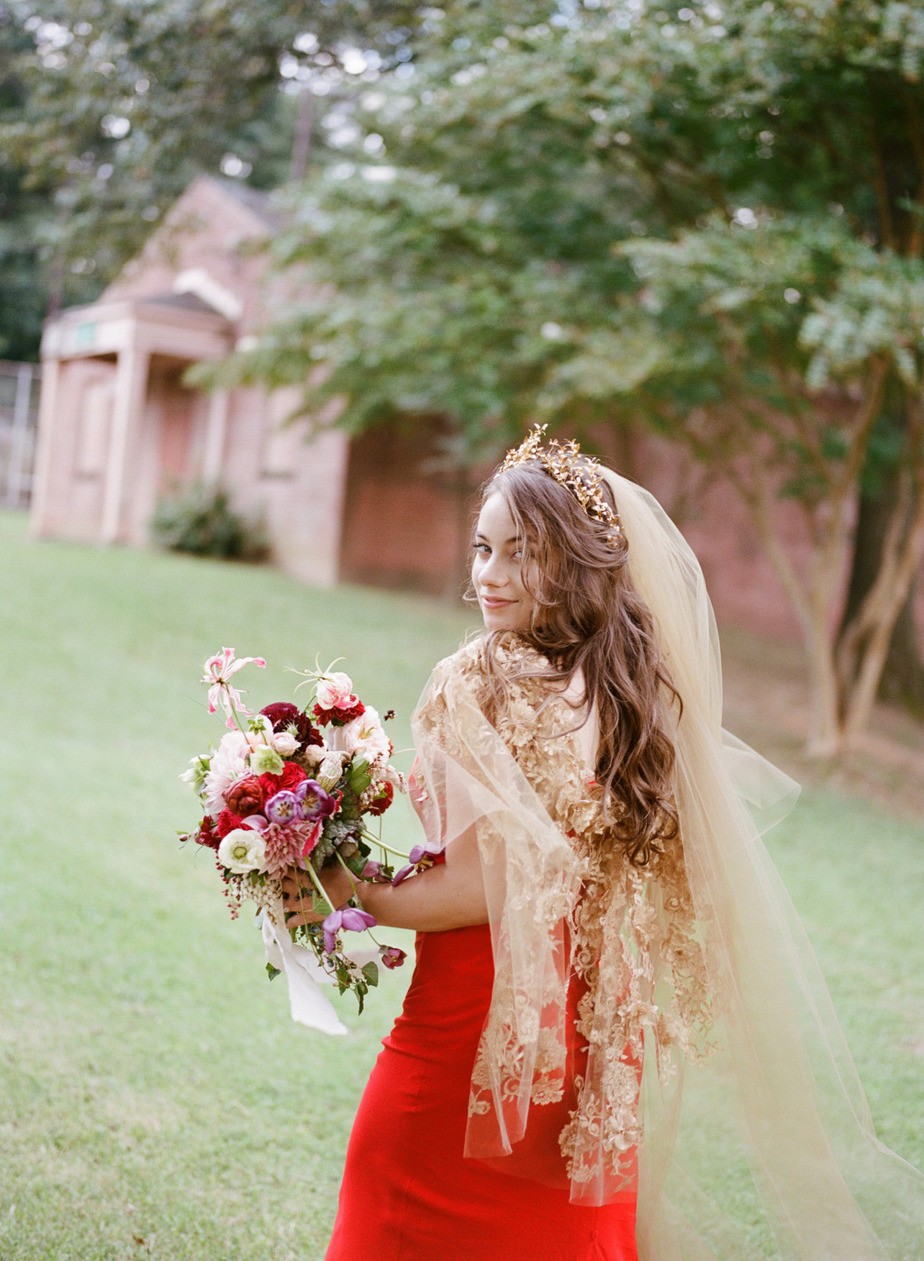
(313,754)
(242,850)
(229,763)
(366,735)
(284,743)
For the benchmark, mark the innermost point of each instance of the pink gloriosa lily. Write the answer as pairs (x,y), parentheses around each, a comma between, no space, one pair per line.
(218,670)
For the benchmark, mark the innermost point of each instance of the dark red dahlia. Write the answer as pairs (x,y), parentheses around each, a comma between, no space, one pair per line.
(283,714)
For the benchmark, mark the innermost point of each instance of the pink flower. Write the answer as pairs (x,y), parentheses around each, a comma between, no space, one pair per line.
(312,839)
(365,734)
(287,844)
(335,691)
(218,670)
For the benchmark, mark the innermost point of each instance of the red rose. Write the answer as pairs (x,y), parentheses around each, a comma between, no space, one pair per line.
(227,822)
(245,797)
(380,803)
(290,778)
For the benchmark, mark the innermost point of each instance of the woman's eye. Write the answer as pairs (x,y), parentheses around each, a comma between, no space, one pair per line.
(481,549)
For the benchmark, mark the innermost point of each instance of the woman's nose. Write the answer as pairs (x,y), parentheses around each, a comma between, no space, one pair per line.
(492,573)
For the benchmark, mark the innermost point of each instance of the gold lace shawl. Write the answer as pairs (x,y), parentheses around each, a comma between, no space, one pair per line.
(565,903)
(762,1148)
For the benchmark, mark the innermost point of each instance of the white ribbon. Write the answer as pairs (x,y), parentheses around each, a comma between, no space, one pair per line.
(305,976)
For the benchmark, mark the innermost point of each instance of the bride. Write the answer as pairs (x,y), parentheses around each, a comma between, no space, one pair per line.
(615,1020)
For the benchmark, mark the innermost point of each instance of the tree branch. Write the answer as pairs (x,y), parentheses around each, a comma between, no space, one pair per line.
(881,185)
(915,242)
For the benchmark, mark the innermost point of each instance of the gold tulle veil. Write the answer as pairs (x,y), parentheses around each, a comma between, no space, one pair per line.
(753,1136)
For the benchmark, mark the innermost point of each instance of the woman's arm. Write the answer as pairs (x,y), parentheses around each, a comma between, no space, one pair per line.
(450,895)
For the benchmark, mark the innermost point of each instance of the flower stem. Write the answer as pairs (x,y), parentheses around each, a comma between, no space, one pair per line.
(381,844)
(356,895)
(317,884)
(349,873)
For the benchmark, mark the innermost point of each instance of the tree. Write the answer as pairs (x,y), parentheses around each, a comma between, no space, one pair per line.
(113,106)
(709,217)
(22,214)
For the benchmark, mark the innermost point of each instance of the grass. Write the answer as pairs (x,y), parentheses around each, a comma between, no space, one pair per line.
(155,1099)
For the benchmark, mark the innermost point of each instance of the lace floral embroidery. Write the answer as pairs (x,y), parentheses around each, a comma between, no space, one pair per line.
(627,935)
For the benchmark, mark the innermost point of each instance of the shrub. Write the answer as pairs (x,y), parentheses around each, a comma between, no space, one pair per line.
(199,519)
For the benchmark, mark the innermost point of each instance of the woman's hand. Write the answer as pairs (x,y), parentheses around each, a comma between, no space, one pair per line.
(297,891)
(450,895)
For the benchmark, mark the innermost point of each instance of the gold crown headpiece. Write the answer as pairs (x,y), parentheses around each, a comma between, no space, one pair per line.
(579,474)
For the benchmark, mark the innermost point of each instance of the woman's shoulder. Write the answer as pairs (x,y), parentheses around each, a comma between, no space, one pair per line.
(510,655)
(469,677)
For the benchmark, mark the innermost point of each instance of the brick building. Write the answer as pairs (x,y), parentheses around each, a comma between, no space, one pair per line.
(118,428)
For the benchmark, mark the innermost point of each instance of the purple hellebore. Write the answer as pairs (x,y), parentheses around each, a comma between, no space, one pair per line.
(414,857)
(392,957)
(313,801)
(349,917)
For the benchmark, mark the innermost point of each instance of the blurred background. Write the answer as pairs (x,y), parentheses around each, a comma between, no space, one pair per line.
(279,282)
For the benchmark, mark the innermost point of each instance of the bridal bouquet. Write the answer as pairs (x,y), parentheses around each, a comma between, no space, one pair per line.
(292,790)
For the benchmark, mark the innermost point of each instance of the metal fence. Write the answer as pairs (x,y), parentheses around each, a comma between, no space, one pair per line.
(19,391)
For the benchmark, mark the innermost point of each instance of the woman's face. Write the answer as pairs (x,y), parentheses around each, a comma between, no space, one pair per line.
(497,569)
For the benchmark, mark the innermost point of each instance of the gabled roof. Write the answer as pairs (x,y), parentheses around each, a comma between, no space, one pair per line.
(255,199)
(186,301)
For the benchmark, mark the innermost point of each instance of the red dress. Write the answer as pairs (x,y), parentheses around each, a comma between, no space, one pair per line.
(408,1193)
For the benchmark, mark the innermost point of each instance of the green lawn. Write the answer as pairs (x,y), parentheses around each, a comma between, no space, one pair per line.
(155,1099)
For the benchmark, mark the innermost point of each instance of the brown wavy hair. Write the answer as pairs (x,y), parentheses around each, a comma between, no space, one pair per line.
(588,616)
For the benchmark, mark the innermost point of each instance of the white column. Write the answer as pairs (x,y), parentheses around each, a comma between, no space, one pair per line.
(216,427)
(46,443)
(19,436)
(128,404)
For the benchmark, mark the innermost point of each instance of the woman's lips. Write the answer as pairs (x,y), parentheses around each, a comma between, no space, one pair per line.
(494,602)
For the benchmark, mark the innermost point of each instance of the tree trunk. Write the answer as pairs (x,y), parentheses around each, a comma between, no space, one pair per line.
(302,137)
(903,675)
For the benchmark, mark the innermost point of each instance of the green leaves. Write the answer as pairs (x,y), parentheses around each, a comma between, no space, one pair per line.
(585,215)
(110,108)
(360,777)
